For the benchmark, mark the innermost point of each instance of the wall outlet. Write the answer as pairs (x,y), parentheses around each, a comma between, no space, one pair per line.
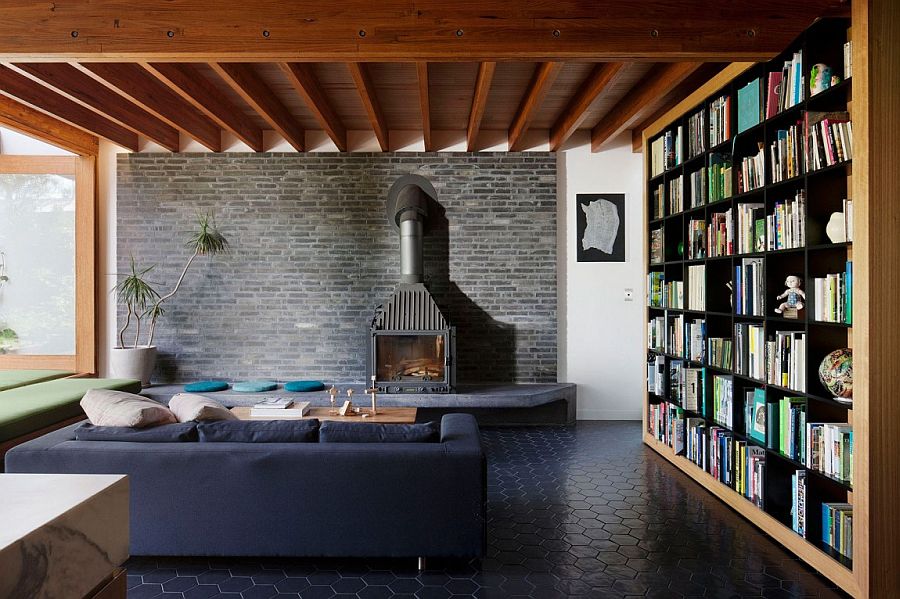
(629,295)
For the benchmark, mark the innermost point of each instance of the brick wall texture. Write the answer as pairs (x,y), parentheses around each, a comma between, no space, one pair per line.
(312,255)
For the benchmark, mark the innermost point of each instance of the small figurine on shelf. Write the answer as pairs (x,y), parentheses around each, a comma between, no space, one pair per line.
(821,78)
(793,297)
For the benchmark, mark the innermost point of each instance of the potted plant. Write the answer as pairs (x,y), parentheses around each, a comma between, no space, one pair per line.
(131,358)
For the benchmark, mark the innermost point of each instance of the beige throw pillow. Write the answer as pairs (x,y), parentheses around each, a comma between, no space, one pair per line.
(189,406)
(117,408)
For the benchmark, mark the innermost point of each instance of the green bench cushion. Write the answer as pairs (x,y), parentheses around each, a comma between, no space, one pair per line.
(10,379)
(24,410)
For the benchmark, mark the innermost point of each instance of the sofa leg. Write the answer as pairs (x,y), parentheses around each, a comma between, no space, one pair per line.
(421,564)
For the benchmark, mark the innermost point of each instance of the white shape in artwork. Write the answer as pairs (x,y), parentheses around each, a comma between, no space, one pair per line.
(602,226)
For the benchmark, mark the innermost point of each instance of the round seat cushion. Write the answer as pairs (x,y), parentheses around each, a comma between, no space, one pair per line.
(254,386)
(206,386)
(304,386)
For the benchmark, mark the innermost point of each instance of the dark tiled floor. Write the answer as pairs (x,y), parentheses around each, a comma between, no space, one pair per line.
(585,511)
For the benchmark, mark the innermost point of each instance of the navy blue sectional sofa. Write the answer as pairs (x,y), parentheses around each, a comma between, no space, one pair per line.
(289,499)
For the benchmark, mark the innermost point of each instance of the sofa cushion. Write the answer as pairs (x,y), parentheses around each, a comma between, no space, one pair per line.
(166,433)
(27,409)
(188,407)
(254,386)
(10,379)
(117,408)
(206,386)
(259,431)
(363,432)
(304,386)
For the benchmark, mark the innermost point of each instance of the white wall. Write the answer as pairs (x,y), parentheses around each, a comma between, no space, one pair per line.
(601,345)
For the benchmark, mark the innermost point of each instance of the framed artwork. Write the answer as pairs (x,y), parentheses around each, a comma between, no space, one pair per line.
(600,227)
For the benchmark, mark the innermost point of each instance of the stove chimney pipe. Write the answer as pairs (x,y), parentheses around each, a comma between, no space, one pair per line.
(407,209)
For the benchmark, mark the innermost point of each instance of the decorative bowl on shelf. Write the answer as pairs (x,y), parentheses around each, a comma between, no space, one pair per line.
(836,374)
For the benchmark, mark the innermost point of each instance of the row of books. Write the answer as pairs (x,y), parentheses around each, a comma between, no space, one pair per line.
(752,174)
(656,334)
(720,234)
(666,423)
(676,195)
(833,296)
(751,228)
(829,139)
(665,151)
(656,374)
(695,340)
(675,335)
(657,255)
(658,209)
(731,461)
(719,120)
(786,360)
(786,89)
(837,527)
(696,133)
(696,236)
(719,176)
(786,154)
(798,502)
(698,187)
(829,449)
(697,287)
(786,427)
(749,349)
(786,226)
(749,287)
(723,400)
(718,352)
(656,283)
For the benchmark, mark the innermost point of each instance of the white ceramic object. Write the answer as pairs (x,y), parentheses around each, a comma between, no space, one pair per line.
(133,363)
(836,228)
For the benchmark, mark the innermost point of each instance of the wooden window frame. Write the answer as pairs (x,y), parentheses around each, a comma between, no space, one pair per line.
(84,360)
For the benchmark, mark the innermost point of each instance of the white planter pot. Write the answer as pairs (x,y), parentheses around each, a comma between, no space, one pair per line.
(133,363)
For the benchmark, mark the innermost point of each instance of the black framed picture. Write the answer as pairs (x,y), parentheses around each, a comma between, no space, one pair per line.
(600,227)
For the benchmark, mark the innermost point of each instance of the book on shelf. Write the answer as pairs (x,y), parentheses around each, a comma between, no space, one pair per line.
(696,441)
(666,423)
(718,352)
(657,157)
(772,429)
(656,334)
(723,400)
(751,228)
(698,187)
(719,120)
(696,133)
(659,205)
(786,156)
(676,382)
(720,234)
(751,105)
(848,59)
(792,82)
(829,138)
(693,388)
(786,358)
(721,455)
(656,374)
(674,295)
(749,287)
(696,245)
(749,350)
(656,282)
(798,502)
(751,484)
(695,340)
(697,287)
(833,296)
(786,226)
(675,335)
(294,409)
(773,93)
(676,195)
(656,246)
(829,449)
(665,151)
(719,177)
(755,414)
(837,527)
(752,174)
(792,428)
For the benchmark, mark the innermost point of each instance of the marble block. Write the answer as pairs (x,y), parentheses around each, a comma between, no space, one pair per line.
(61,535)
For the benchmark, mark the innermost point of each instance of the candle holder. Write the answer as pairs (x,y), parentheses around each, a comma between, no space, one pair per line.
(372,391)
(333,393)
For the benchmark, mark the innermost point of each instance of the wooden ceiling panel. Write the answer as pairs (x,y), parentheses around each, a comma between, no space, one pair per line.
(397,88)
(275,79)
(510,82)
(570,78)
(452,87)
(625,81)
(335,80)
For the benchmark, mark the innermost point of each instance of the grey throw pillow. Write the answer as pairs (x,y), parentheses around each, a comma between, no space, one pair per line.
(117,408)
(189,407)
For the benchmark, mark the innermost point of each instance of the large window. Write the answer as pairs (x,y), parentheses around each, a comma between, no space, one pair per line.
(46,262)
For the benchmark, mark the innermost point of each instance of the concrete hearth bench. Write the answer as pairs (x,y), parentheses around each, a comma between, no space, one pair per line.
(28,409)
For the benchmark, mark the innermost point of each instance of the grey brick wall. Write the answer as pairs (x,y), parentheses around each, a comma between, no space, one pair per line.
(312,255)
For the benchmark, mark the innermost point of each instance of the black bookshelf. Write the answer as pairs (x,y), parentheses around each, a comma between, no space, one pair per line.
(825,189)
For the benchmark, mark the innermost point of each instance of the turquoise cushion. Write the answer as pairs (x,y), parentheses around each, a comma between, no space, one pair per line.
(206,386)
(300,386)
(254,386)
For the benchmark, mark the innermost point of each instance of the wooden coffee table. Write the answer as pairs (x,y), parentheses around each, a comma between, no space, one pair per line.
(384,415)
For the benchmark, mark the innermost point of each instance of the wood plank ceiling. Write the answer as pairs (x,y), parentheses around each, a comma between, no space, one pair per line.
(475,105)
(160,74)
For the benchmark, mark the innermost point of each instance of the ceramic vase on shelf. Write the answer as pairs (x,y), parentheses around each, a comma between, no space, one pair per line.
(133,363)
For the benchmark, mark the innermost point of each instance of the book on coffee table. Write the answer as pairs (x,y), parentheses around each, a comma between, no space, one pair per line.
(292,408)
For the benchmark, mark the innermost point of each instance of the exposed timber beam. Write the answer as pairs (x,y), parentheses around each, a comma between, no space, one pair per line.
(304,81)
(544,76)
(599,79)
(424,104)
(359,71)
(38,125)
(479,102)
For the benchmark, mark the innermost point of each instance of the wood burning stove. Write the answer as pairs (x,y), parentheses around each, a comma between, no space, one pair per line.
(412,347)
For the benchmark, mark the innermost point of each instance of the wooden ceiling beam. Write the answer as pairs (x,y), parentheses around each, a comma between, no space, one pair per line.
(599,79)
(544,76)
(424,104)
(192,86)
(137,85)
(656,84)
(359,71)
(251,87)
(19,87)
(681,91)
(402,30)
(38,125)
(83,89)
(479,102)
(304,81)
